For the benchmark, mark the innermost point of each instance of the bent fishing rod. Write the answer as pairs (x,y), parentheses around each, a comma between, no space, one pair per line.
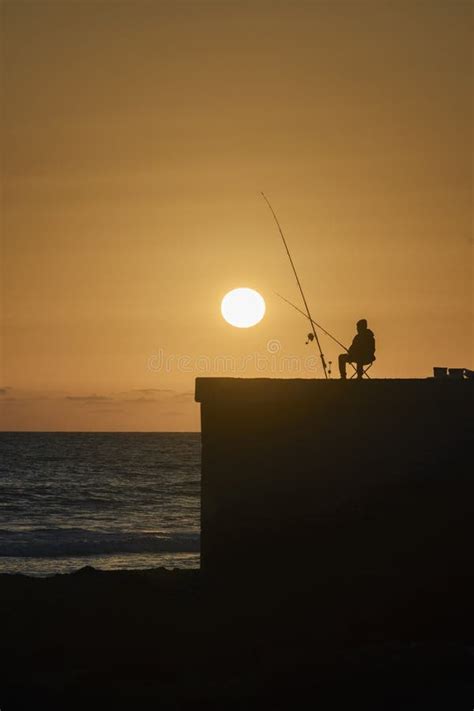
(318,325)
(308,314)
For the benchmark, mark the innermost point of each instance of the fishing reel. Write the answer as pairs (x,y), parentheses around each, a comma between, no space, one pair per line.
(310,339)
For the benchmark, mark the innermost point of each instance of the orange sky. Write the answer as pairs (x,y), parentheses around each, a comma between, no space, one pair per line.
(136,137)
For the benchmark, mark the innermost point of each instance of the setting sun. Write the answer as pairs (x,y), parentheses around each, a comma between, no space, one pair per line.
(243,307)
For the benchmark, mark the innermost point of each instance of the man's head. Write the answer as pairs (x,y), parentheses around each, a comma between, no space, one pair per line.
(361,325)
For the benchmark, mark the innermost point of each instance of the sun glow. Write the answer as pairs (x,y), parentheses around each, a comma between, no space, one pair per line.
(243,307)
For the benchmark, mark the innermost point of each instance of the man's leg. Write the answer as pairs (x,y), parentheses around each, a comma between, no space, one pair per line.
(342,365)
(360,371)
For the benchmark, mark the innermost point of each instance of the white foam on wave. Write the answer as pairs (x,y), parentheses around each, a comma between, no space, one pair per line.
(49,543)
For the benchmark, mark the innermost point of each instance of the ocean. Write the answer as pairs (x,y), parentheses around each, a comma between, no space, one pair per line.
(109,500)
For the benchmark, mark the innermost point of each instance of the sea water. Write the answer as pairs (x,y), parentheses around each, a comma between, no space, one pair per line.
(110,500)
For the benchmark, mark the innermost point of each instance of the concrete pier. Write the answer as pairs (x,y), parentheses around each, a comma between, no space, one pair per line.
(362,483)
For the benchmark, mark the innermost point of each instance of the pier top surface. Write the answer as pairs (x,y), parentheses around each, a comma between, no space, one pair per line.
(303,388)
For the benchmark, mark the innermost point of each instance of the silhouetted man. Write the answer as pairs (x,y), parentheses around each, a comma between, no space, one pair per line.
(361,352)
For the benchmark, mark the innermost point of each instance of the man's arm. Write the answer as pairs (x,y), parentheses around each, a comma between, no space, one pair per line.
(352,352)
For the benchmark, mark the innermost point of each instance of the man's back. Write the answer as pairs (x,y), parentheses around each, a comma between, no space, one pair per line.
(363,347)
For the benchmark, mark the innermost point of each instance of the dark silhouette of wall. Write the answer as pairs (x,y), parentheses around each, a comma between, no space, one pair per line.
(356,489)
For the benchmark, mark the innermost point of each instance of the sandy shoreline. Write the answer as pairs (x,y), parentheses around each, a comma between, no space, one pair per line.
(157,638)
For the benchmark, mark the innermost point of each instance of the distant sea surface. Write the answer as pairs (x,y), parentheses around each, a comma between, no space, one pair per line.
(110,500)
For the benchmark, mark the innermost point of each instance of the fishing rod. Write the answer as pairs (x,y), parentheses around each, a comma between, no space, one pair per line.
(299,286)
(314,322)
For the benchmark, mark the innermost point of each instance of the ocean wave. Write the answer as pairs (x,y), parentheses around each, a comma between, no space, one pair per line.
(53,543)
